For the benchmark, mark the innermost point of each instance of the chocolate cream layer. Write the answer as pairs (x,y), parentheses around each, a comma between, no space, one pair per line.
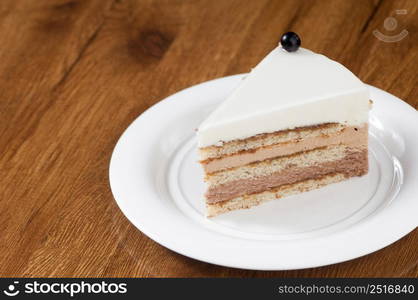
(349,135)
(354,163)
(247,201)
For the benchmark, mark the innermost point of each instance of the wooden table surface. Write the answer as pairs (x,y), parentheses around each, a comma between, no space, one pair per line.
(75,74)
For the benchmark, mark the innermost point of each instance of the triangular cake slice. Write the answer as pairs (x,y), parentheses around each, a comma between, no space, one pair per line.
(297,122)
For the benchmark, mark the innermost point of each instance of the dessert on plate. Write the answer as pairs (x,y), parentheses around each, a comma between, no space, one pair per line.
(297,121)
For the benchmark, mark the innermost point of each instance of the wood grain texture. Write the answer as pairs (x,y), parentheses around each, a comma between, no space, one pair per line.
(75,74)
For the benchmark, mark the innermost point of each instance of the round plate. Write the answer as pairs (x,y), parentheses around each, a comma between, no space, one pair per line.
(158,184)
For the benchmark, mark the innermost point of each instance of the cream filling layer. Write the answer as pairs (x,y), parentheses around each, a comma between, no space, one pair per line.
(247,201)
(355,163)
(267,167)
(352,136)
(268,139)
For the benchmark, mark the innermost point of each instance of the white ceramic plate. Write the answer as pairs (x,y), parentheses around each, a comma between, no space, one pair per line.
(158,185)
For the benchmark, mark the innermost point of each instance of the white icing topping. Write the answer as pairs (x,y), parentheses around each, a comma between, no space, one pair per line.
(287,90)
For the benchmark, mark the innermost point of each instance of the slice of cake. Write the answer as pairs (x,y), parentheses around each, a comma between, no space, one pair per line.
(297,122)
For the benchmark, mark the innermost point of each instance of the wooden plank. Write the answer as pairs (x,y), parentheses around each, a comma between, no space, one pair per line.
(42,41)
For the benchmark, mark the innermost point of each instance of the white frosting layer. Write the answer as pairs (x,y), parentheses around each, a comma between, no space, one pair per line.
(287,90)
